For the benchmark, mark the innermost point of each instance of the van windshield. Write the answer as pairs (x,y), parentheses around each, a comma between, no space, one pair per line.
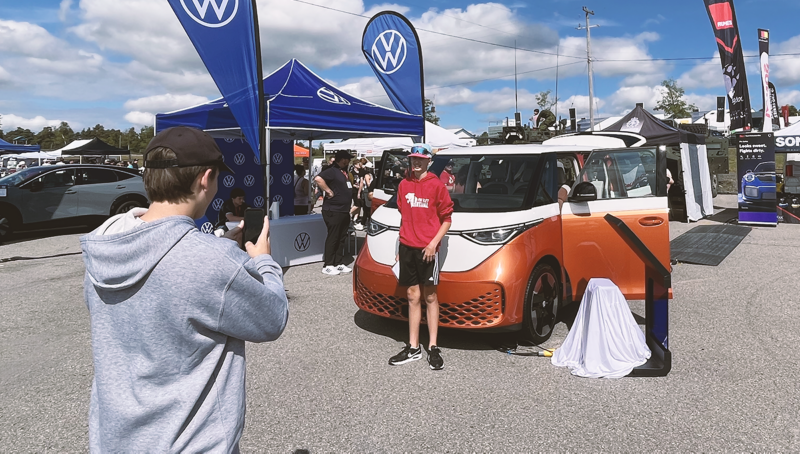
(486,183)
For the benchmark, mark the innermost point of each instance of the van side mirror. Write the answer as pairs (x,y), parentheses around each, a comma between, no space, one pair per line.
(583,192)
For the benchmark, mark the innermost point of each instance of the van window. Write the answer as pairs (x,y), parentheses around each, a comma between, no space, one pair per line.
(621,174)
(485,183)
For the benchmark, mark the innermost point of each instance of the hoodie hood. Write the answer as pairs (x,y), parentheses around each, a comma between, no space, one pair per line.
(108,250)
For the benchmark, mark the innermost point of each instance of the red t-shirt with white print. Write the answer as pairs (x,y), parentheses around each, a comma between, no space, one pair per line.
(424,206)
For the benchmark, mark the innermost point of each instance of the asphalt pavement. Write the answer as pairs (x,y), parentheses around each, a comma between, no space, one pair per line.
(325,385)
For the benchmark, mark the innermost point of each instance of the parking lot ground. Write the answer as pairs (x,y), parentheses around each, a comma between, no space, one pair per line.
(325,385)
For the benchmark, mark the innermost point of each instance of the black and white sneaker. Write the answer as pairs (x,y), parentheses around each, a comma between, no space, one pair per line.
(435,358)
(407,355)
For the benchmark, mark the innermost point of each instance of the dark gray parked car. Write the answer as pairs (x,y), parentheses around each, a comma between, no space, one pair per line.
(56,194)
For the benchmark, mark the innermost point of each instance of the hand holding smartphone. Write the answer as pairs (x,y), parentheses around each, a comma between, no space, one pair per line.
(255,239)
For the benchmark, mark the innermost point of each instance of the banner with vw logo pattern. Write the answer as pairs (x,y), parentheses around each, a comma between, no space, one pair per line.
(391,46)
(249,177)
(225,36)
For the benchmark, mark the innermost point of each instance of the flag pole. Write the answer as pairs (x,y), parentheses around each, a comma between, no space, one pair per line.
(263,153)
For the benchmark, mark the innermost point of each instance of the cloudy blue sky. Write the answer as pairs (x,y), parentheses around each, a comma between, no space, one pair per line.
(119,62)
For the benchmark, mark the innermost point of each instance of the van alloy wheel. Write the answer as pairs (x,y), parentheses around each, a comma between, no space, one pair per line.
(542,303)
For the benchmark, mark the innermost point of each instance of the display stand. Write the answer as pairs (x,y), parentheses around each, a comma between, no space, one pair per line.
(658,282)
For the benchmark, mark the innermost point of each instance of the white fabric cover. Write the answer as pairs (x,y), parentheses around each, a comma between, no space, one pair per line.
(435,136)
(696,182)
(605,340)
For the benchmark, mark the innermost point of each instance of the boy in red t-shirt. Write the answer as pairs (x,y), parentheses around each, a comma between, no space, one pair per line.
(425,207)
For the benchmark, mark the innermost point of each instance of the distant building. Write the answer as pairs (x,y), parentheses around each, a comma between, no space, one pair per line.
(462,133)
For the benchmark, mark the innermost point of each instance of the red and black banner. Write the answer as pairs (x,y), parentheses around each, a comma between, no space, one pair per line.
(776,111)
(726,30)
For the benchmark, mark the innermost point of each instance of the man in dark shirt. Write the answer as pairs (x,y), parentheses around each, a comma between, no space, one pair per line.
(233,209)
(336,211)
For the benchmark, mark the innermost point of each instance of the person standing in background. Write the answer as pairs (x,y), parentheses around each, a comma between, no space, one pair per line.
(300,190)
(338,192)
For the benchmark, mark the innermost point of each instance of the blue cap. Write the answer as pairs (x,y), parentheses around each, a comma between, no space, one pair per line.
(421,150)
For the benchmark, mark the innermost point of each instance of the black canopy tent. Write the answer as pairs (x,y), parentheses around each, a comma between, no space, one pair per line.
(656,132)
(691,172)
(94,147)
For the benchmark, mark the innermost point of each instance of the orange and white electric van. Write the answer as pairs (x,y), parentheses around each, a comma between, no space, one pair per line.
(514,257)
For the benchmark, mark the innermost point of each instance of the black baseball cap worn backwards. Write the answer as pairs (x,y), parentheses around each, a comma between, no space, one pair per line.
(192,147)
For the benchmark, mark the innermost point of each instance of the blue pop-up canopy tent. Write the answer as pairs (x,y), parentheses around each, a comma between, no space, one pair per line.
(302,106)
(6,147)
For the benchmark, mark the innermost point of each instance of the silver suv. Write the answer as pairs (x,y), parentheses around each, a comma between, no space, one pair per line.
(49,194)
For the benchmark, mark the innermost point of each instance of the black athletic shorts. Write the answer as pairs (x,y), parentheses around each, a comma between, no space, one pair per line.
(413,270)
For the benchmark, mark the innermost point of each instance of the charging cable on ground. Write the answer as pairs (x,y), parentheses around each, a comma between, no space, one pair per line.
(546,353)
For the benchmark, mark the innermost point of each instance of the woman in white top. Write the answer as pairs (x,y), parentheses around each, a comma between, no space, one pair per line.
(300,190)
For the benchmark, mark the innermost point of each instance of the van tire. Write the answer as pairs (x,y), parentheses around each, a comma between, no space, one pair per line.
(11,221)
(542,303)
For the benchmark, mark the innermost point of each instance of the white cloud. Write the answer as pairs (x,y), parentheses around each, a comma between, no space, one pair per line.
(11,122)
(140,118)
(64,9)
(704,75)
(164,103)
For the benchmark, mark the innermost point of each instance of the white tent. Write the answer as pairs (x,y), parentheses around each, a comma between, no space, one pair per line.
(435,136)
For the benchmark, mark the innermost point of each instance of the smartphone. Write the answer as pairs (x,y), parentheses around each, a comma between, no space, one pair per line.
(253,225)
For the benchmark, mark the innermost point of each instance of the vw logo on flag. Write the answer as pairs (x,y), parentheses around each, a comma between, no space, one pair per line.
(249,181)
(287,179)
(258,202)
(389,50)
(217,204)
(229,140)
(229,181)
(278,199)
(238,159)
(207,228)
(326,94)
(302,242)
(270,180)
(277,158)
(220,16)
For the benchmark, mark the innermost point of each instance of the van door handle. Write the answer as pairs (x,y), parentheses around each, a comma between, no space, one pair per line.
(650,221)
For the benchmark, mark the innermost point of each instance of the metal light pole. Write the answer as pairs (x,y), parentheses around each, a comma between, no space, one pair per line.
(589,60)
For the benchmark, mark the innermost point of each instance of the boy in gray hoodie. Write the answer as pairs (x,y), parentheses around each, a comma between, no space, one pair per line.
(171,309)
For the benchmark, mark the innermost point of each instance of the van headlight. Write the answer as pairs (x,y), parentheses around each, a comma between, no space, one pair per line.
(499,235)
(376,228)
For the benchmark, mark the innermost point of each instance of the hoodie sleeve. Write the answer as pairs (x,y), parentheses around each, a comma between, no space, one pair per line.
(445,204)
(254,306)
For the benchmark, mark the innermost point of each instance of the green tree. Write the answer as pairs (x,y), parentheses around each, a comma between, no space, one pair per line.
(672,102)
(483,139)
(47,138)
(544,101)
(430,112)
(792,111)
(21,136)
(64,134)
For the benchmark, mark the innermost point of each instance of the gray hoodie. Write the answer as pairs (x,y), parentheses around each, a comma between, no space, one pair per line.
(170,311)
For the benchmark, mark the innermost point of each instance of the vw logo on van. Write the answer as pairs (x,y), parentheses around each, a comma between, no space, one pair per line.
(222,14)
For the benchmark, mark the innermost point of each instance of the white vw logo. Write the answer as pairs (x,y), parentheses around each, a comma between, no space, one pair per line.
(287,179)
(392,46)
(207,228)
(277,158)
(217,205)
(238,159)
(278,199)
(229,140)
(229,181)
(222,14)
(326,94)
(258,202)
(249,180)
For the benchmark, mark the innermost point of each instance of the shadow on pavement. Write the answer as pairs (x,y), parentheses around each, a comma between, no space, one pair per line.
(448,338)
(51,231)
